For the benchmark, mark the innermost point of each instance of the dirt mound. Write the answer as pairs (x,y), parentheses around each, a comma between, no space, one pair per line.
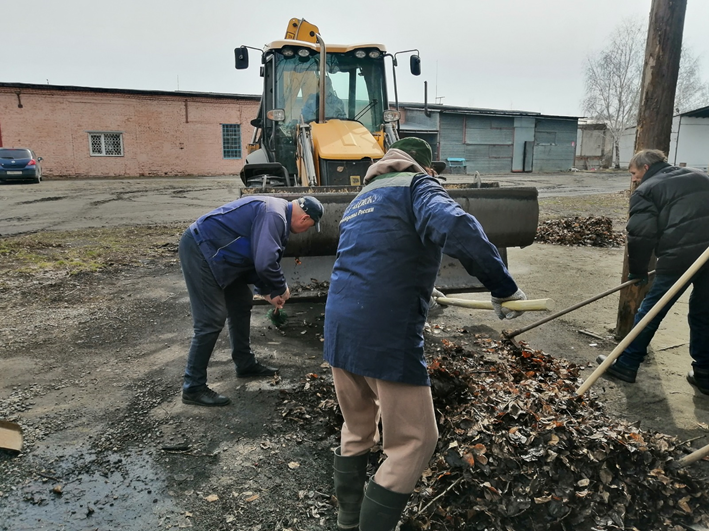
(590,231)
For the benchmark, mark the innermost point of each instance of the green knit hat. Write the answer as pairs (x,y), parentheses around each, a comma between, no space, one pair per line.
(419,150)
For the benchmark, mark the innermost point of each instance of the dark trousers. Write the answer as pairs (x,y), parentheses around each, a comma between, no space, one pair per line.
(211,307)
(698,319)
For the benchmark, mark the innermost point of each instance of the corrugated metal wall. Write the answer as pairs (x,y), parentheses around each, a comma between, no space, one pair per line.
(502,144)
(554,144)
(484,142)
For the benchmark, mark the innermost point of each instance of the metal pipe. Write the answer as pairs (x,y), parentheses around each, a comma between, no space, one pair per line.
(513,333)
(323,75)
(393,73)
(679,127)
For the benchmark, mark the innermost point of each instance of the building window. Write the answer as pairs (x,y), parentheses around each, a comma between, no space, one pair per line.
(106,144)
(231,141)
(545,138)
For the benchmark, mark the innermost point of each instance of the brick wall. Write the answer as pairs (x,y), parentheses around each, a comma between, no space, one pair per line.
(163,134)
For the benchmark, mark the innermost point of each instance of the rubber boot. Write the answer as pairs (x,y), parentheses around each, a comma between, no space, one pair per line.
(381,508)
(350,476)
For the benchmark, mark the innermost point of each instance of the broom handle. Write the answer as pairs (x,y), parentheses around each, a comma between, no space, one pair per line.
(699,262)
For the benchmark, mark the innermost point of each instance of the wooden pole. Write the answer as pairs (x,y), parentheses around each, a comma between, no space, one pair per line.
(618,350)
(694,456)
(528,305)
(657,96)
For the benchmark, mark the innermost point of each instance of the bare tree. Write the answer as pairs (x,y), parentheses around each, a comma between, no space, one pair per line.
(692,91)
(613,79)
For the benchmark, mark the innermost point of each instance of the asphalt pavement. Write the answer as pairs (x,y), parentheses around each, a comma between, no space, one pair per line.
(71,204)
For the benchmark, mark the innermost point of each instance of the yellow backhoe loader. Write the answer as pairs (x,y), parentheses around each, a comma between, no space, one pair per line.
(324,118)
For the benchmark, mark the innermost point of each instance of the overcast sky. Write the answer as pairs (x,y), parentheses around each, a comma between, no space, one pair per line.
(504,54)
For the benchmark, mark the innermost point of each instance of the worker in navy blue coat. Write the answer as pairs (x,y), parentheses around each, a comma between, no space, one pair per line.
(221,254)
(392,237)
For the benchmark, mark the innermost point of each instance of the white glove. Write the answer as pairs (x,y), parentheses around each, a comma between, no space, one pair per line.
(433,302)
(506,313)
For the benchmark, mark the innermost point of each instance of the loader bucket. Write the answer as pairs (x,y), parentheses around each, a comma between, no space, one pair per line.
(508,215)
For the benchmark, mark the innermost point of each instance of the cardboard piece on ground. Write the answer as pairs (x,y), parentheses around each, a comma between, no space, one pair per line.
(10,435)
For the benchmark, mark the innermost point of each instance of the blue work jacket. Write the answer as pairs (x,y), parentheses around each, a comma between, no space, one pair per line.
(391,240)
(246,238)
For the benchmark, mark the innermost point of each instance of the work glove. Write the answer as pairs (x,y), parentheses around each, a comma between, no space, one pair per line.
(433,302)
(642,279)
(506,313)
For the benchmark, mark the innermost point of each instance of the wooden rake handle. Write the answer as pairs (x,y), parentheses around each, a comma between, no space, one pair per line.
(530,305)
(694,456)
(618,350)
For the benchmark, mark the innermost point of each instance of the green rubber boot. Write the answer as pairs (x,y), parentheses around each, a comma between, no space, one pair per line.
(350,476)
(381,508)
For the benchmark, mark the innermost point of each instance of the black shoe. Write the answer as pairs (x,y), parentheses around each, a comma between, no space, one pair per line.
(618,371)
(205,397)
(257,369)
(701,382)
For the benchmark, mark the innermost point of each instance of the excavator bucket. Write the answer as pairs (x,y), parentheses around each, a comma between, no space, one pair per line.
(508,216)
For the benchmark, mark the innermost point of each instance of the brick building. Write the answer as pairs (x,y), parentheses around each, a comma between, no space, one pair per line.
(96,132)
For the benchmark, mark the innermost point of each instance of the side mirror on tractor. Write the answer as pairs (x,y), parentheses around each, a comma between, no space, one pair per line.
(241,55)
(415,63)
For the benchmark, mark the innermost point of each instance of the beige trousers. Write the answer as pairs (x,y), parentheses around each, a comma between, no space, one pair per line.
(409,431)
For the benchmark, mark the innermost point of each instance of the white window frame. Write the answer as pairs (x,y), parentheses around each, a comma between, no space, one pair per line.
(103,143)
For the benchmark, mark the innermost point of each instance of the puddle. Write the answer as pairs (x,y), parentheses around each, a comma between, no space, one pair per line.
(126,492)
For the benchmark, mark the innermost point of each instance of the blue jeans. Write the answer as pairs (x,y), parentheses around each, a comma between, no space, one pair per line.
(698,318)
(211,307)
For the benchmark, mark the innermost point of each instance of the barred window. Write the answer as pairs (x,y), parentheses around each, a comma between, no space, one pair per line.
(106,144)
(231,141)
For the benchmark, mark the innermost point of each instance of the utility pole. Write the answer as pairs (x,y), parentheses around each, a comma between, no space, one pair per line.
(659,84)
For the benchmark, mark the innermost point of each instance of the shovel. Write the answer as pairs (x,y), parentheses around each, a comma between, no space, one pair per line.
(10,436)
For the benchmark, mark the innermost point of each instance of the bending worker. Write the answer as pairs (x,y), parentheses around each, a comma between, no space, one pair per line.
(221,253)
(389,253)
(669,215)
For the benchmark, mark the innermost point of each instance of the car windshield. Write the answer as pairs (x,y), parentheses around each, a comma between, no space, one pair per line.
(15,154)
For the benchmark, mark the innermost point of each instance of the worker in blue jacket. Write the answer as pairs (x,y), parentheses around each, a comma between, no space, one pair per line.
(391,240)
(221,253)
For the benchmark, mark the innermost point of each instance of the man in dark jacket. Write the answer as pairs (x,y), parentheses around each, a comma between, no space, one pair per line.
(391,239)
(669,215)
(221,253)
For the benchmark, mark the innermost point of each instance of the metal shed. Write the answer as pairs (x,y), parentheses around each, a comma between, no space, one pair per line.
(495,141)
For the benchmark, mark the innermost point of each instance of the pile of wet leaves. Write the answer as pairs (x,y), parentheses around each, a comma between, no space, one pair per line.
(518,450)
(592,231)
